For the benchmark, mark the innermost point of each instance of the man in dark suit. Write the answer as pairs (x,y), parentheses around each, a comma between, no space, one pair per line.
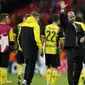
(74,36)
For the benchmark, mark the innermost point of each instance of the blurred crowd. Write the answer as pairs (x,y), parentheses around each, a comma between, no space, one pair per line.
(45,7)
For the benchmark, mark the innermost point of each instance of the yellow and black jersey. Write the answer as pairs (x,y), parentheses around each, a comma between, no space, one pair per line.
(82,25)
(11,35)
(18,37)
(36,30)
(52,35)
(33,27)
(30,38)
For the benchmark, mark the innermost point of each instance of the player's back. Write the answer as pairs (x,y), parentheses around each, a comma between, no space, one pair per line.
(4,28)
(51,35)
(4,40)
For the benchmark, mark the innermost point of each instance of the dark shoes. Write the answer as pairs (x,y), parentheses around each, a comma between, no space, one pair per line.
(24,82)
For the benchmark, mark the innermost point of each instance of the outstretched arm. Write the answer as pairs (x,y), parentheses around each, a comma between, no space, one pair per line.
(63,17)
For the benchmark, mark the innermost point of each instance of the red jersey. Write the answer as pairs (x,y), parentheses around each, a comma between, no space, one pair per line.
(4,39)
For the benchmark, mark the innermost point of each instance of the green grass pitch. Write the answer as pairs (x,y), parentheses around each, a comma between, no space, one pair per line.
(38,80)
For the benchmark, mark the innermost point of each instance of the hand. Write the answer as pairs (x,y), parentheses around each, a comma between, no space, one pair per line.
(60,50)
(82,39)
(41,53)
(62,4)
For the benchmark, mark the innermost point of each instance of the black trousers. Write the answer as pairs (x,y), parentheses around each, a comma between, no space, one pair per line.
(29,71)
(30,51)
(83,53)
(74,61)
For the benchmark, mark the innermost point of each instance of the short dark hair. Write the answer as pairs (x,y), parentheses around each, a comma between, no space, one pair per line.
(3,16)
(35,14)
(55,17)
(26,15)
(79,19)
(18,19)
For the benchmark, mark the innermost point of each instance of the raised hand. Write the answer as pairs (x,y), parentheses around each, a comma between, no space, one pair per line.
(62,4)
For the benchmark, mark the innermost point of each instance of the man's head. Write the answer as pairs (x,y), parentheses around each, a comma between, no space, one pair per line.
(56,18)
(71,16)
(36,16)
(4,18)
(25,17)
(79,19)
(18,19)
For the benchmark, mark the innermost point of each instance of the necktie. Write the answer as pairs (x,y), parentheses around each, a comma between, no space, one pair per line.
(76,29)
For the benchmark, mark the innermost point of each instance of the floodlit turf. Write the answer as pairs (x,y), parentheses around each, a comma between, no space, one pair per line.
(38,80)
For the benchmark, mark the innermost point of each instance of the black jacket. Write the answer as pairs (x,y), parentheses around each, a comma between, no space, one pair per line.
(70,33)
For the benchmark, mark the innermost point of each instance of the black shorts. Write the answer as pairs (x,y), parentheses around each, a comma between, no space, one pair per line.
(52,60)
(4,59)
(20,57)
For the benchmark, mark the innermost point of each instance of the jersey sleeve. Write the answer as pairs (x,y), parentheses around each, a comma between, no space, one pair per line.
(61,34)
(11,35)
(37,36)
(82,25)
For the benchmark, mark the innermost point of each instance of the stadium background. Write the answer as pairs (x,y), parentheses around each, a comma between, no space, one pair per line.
(45,7)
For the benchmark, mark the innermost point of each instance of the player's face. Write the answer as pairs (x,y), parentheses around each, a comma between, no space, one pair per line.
(71,16)
(7,20)
(58,22)
(37,18)
(24,19)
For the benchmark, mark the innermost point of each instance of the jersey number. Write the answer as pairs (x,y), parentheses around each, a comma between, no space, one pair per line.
(49,34)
